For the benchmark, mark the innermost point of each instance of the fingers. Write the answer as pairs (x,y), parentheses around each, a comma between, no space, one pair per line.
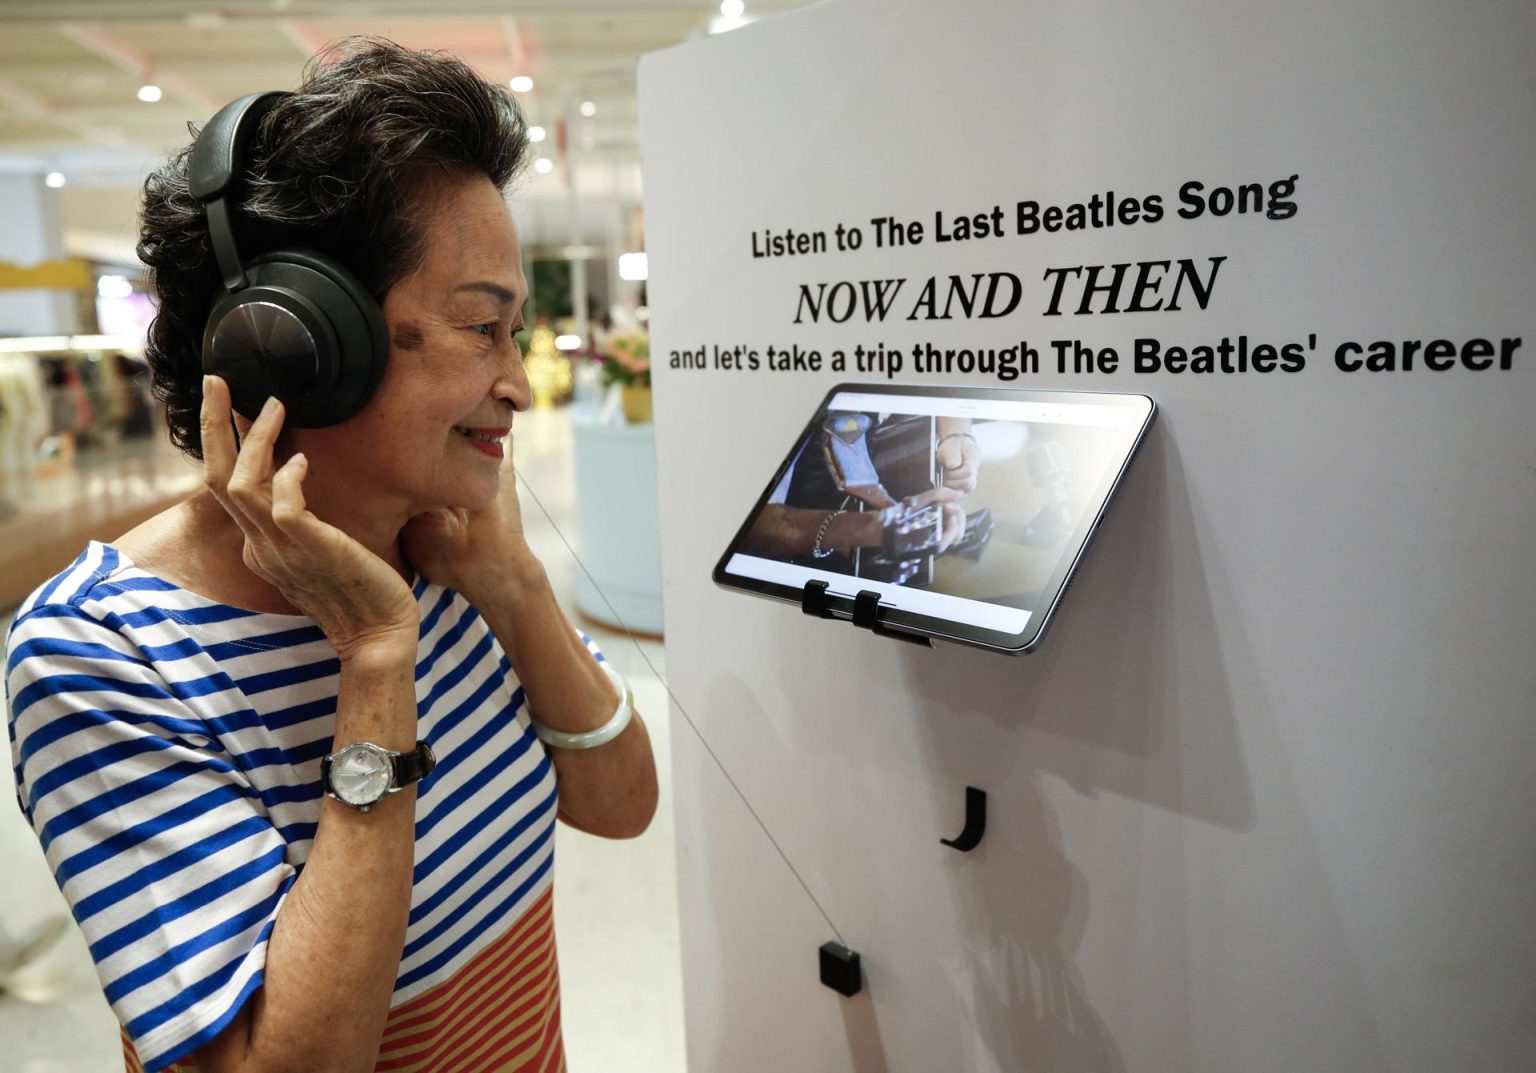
(249,486)
(954,526)
(218,441)
(937,495)
(239,476)
(288,506)
(253,466)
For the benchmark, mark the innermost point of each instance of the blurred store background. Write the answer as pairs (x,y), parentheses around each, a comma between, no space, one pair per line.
(92,92)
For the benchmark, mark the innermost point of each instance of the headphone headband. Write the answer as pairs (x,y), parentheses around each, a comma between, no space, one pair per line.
(214,172)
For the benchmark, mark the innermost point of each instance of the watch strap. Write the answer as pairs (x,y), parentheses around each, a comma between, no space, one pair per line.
(415,765)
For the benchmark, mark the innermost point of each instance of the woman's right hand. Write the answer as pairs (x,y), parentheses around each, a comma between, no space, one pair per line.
(355,597)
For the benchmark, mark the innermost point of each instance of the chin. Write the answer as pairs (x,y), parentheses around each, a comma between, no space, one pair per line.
(472,496)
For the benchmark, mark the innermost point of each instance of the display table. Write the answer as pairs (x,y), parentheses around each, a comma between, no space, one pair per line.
(619,535)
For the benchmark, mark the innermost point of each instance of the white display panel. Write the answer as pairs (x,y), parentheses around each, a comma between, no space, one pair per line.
(1254,804)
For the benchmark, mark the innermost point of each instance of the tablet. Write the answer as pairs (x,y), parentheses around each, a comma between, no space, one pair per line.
(966,510)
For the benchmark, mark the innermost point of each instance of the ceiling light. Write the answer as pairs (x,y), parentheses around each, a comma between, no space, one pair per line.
(54,179)
(149,93)
(732,9)
(535,134)
(588,109)
(522,84)
(567,342)
(543,165)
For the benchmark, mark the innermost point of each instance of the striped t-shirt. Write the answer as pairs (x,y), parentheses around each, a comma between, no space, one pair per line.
(167,752)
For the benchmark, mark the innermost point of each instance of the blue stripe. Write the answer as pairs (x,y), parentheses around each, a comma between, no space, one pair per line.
(186,616)
(281,757)
(93,762)
(176,1053)
(456,841)
(153,827)
(107,565)
(123,796)
(52,685)
(286,718)
(277,796)
(468,662)
(329,667)
(447,641)
(164,913)
(468,751)
(294,833)
(488,889)
(63,725)
(427,906)
(46,593)
(484,924)
(429,620)
(146,583)
(69,648)
(194,993)
(172,652)
(165,867)
(165,964)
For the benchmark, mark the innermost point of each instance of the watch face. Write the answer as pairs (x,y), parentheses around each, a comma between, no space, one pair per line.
(360,774)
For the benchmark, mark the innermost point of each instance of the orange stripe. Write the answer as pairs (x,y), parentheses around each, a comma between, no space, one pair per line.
(131,1063)
(535,980)
(454,1022)
(555,1055)
(468,988)
(503,1026)
(470,1019)
(537,916)
(468,1023)
(462,1017)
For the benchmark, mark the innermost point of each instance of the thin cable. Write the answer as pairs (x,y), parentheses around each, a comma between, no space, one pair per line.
(523,484)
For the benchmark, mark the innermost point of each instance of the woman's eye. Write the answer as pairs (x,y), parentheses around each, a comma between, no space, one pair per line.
(486,329)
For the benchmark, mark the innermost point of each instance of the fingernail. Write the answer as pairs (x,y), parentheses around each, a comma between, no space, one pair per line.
(269,406)
(207,383)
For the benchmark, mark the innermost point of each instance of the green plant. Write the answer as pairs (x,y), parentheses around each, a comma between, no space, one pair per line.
(626,360)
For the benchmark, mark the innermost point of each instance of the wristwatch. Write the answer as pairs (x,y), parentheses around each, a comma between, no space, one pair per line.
(363,774)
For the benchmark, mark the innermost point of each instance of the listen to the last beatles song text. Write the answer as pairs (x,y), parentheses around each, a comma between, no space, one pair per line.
(1160,285)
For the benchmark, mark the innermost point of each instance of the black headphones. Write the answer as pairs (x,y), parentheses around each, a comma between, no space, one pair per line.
(293,323)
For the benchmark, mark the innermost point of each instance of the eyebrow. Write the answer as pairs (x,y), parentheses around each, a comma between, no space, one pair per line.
(495,290)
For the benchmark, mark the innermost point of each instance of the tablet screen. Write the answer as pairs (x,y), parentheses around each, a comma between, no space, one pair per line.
(965,510)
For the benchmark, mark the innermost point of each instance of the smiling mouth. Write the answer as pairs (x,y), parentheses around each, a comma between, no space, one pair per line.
(478,435)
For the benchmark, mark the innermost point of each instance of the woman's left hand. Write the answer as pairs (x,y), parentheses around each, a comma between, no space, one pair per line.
(466,550)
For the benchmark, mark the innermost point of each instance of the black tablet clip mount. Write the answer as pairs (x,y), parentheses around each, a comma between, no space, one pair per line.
(866,612)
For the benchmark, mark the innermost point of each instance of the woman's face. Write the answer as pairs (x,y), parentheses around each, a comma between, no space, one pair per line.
(435,431)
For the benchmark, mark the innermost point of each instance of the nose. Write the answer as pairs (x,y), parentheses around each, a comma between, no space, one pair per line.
(512,385)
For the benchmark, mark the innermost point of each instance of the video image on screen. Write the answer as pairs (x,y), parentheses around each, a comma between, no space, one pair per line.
(979,508)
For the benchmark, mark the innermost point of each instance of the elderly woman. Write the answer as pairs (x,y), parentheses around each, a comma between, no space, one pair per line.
(282,742)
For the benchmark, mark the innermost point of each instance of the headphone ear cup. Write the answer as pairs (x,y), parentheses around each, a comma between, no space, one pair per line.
(303,330)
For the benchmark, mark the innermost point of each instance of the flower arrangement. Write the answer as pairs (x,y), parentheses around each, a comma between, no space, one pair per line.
(626,360)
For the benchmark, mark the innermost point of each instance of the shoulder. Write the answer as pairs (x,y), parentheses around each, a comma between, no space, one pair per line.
(89,577)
